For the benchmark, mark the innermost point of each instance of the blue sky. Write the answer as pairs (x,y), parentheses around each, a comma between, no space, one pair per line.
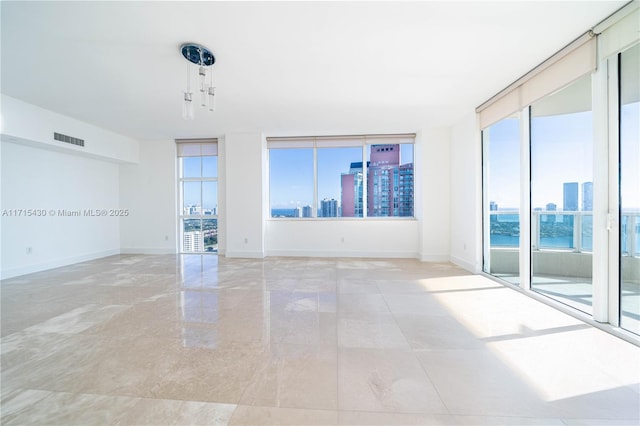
(561,151)
(292,186)
(196,167)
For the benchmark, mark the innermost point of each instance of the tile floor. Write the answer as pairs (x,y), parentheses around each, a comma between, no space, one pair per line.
(207,340)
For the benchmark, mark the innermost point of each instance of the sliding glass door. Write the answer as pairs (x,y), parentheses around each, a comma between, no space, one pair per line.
(561,177)
(501,182)
(562,195)
(629,69)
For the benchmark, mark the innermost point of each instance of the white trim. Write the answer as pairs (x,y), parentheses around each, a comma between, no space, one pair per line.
(38,267)
(525,200)
(612,133)
(148,250)
(243,254)
(346,253)
(485,137)
(463,264)
(600,242)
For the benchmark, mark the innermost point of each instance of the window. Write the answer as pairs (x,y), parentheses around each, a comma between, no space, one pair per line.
(501,211)
(390,180)
(340,182)
(562,195)
(198,200)
(326,177)
(291,182)
(630,190)
(579,238)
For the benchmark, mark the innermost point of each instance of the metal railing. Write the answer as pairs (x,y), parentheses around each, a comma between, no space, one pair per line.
(561,230)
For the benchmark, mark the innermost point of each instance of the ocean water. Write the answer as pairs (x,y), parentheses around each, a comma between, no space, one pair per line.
(283,213)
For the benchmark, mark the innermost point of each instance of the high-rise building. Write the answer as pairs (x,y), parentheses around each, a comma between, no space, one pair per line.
(307,211)
(587,196)
(570,197)
(493,206)
(351,185)
(297,212)
(549,218)
(389,184)
(329,207)
(192,241)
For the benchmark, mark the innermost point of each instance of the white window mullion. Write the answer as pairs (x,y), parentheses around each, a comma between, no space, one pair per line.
(314,210)
(525,255)
(610,96)
(486,216)
(365,171)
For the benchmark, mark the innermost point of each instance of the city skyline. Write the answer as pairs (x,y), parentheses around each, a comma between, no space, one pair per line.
(292,188)
(504,150)
(577,196)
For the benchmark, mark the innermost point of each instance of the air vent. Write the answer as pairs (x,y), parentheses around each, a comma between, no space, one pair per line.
(68,139)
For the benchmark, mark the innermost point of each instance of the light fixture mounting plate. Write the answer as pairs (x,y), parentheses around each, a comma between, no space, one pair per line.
(197,54)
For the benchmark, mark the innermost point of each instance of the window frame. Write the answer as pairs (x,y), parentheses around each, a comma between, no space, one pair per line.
(343,141)
(207,148)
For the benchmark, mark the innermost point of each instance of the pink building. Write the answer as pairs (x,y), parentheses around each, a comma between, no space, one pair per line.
(389,185)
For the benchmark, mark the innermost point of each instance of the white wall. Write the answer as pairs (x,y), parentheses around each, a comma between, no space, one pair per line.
(32,125)
(244,169)
(466,192)
(432,194)
(426,237)
(41,173)
(342,237)
(148,190)
(145,184)
(34,178)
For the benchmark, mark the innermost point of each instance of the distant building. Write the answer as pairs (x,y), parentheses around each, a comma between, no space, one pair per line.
(493,206)
(587,196)
(297,212)
(193,241)
(351,185)
(550,218)
(307,211)
(192,209)
(389,185)
(570,196)
(329,207)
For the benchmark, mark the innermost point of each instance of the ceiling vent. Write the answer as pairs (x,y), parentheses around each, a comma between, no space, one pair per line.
(68,139)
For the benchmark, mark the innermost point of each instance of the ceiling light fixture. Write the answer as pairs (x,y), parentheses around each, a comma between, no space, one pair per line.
(203,58)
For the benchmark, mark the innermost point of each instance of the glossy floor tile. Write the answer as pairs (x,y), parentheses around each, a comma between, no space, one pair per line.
(193,339)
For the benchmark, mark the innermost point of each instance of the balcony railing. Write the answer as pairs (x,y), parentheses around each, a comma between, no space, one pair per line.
(561,230)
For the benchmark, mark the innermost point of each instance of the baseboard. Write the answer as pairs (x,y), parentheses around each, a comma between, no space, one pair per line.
(147,251)
(29,269)
(463,264)
(355,254)
(245,254)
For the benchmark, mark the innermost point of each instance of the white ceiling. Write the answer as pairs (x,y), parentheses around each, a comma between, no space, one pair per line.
(281,68)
